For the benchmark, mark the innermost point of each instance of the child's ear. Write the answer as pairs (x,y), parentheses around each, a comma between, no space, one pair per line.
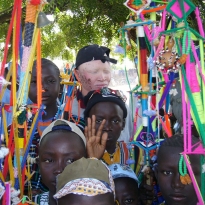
(156,171)
(123,124)
(76,73)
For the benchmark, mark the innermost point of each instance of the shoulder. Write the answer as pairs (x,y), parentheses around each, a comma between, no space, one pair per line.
(41,198)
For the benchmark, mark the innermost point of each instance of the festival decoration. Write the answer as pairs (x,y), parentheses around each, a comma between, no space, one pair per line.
(172,55)
(166,51)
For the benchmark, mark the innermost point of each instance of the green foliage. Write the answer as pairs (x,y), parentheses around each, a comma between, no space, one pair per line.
(78,23)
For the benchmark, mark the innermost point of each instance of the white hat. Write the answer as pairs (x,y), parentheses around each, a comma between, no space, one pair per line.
(64,125)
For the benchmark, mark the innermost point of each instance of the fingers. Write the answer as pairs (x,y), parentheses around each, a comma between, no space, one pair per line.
(89,133)
(99,131)
(93,125)
(104,139)
(86,133)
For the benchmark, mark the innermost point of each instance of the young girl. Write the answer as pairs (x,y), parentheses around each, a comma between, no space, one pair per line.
(50,90)
(61,143)
(173,189)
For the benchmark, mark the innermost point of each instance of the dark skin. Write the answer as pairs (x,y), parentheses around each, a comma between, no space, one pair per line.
(74,199)
(50,89)
(167,172)
(126,190)
(68,148)
(114,122)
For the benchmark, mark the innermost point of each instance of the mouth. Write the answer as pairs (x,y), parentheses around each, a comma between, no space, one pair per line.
(178,197)
(109,138)
(45,98)
(102,86)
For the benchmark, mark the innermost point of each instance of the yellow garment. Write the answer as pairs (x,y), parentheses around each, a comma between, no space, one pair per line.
(112,160)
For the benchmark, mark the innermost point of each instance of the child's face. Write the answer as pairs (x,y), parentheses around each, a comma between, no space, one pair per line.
(56,151)
(126,190)
(74,199)
(173,191)
(113,114)
(94,75)
(50,85)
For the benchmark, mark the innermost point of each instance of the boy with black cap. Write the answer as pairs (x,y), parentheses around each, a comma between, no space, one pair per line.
(93,70)
(108,107)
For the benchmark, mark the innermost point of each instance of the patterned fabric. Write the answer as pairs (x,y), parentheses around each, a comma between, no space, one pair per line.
(122,154)
(41,199)
(35,184)
(84,186)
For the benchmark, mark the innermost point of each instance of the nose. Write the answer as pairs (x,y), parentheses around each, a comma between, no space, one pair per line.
(107,126)
(44,85)
(176,183)
(103,76)
(59,167)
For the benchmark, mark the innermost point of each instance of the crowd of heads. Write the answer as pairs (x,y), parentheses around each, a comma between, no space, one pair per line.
(70,176)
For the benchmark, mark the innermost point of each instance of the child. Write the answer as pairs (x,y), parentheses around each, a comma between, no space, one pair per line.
(168,176)
(61,143)
(50,91)
(86,181)
(108,105)
(126,184)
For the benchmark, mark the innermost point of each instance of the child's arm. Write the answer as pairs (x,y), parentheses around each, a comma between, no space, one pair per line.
(96,140)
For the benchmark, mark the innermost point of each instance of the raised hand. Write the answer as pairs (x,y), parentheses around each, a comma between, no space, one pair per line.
(96,141)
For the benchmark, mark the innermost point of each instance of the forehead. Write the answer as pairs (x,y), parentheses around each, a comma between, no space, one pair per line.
(97,64)
(127,183)
(171,155)
(47,69)
(60,138)
(106,107)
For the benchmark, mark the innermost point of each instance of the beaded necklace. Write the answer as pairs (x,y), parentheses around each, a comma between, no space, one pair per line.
(112,158)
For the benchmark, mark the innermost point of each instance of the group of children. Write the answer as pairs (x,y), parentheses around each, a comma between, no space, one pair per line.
(91,167)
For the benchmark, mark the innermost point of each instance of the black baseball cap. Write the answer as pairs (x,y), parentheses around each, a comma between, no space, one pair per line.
(93,52)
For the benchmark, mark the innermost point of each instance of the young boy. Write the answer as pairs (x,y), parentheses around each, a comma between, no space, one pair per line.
(108,105)
(61,143)
(126,184)
(50,91)
(86,181)
(168,176)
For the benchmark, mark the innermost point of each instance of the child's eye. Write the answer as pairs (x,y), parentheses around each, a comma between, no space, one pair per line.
(106,71)
(51,81)
(70,161)
(98,121)
(116,121)
(167,172)
(128,201)
(48,160)
(33,81)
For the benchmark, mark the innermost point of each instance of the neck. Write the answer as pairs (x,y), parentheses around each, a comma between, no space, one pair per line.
(50,112)
(52,201)
(111,147)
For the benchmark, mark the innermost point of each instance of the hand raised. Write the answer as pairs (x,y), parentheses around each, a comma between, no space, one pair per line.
(96,141)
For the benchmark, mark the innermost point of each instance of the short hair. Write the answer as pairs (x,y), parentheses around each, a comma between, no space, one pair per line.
(45,63)
(178,141)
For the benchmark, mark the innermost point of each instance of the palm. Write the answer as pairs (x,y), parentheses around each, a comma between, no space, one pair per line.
(96,141)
